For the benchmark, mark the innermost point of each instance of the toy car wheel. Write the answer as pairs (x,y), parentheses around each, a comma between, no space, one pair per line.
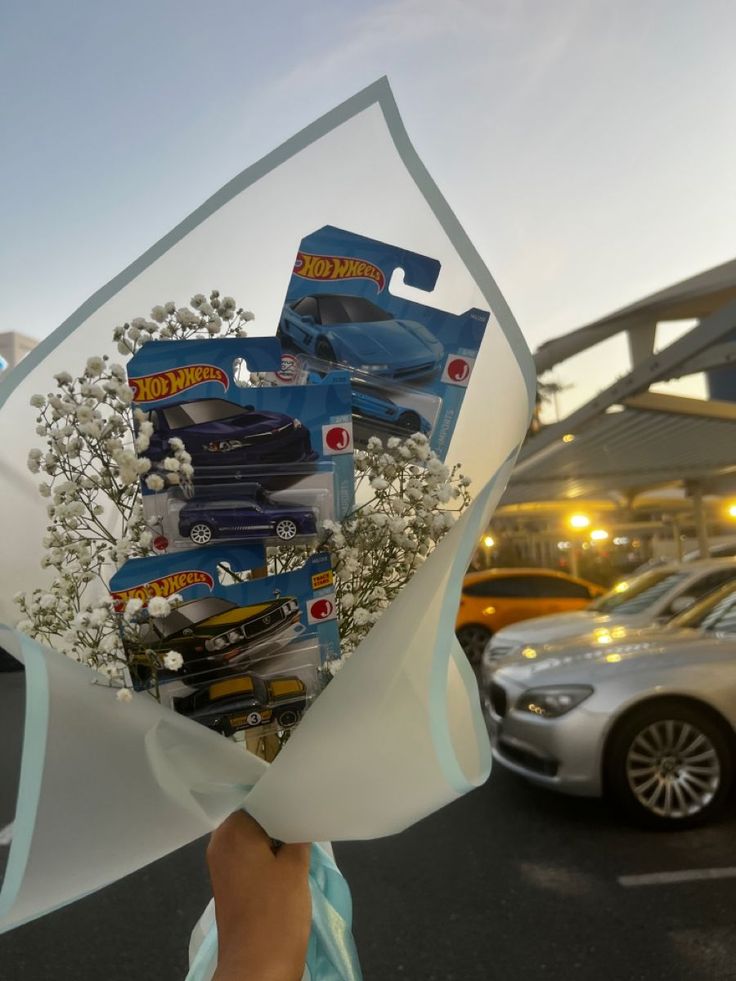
(325,351)
(473,640)
(410,422)
(200,533)
(286,529)
(288,718)
(669,764)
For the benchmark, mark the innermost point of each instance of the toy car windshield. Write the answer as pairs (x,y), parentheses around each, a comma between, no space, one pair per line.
(189,614)
(336,309)
(207,410)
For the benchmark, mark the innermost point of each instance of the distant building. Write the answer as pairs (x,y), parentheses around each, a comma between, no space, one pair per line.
(13,348)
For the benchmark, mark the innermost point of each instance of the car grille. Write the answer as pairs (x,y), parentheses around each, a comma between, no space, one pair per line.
(264,623)
(498,700)
(530,761)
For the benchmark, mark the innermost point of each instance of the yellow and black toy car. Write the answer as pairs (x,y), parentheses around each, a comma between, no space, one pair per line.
(218,630)
(246,702)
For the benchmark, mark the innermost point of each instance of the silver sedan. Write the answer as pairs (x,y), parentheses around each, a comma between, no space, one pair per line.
(651,597)
(645,715)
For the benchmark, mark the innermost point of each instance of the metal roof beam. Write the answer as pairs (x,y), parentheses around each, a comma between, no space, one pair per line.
(680,405)
(708,332)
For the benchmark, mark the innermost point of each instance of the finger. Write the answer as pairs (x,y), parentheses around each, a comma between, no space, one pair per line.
(296,857)
(239,831)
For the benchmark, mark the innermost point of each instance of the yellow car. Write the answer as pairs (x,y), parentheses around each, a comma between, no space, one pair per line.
(496,597)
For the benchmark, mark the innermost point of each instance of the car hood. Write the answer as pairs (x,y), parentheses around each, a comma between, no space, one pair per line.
(553,627)
(387,341)
(592,656)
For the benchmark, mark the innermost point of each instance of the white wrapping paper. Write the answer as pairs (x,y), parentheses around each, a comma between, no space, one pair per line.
(108,787)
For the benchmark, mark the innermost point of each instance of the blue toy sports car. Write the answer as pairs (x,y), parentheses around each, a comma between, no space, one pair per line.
(218,433)
(351,330)
(385,414)
(248,513)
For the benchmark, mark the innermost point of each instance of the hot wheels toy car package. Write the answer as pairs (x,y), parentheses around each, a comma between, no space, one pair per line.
(238,656)
(264,463)
(411,363)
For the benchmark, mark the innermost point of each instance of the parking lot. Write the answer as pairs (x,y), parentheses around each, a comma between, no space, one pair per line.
(508,882)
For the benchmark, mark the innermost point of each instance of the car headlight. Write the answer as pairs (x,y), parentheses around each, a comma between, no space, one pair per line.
(216,643)
(553,701)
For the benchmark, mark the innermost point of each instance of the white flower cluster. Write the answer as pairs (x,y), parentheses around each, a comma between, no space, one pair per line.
(91,480)
(218,315)
(414,499)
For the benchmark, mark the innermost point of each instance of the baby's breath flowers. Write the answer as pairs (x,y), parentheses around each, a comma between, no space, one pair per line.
(413,499)
(91,481)
(91,435)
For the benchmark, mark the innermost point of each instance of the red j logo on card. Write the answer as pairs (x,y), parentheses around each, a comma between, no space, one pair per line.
(338,438)
(458,369)
(321,609)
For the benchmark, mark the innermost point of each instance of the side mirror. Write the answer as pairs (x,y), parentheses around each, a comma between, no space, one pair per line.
(681,604)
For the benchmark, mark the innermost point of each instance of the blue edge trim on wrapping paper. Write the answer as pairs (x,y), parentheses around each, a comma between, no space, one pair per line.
(35,731)
(331,953)
(37,699)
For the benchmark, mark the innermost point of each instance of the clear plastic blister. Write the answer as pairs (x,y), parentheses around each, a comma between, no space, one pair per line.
(275,506)
(250,669)
(381,406)
(212,637)
(410,360)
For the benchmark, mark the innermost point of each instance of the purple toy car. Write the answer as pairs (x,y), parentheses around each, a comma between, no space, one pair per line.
(248,513)
(216,432)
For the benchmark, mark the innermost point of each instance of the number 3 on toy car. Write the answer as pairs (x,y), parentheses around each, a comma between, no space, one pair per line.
(254,718)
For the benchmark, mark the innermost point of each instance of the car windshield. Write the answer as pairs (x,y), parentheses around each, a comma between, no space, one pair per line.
(190,614)
(722,618)
(635,595)
(208,410)
(700,615)
(350,310)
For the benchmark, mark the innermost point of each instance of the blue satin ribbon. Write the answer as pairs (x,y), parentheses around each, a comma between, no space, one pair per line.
(331,953)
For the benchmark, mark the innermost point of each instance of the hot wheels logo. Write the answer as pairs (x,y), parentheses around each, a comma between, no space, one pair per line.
(164,384)
(176,582)
(332,267)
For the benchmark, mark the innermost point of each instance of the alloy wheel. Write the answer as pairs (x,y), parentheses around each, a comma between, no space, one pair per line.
(286,529)
(673,769)
(200,534)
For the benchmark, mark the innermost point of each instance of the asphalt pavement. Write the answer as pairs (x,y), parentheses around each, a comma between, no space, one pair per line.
(507,883)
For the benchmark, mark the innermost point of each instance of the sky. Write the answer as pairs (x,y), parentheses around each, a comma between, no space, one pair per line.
(588,147)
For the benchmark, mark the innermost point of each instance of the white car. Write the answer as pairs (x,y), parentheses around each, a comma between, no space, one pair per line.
(647,599)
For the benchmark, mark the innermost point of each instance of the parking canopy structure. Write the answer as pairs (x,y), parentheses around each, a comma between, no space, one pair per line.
(627,438)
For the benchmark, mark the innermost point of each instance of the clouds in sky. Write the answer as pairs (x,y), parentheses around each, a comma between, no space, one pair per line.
(588,147)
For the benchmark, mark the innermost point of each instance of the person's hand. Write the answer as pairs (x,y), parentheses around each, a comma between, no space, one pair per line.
(262,903)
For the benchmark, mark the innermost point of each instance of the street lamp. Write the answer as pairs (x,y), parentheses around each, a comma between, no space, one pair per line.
(731,510)
(488,543)
(578,522)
